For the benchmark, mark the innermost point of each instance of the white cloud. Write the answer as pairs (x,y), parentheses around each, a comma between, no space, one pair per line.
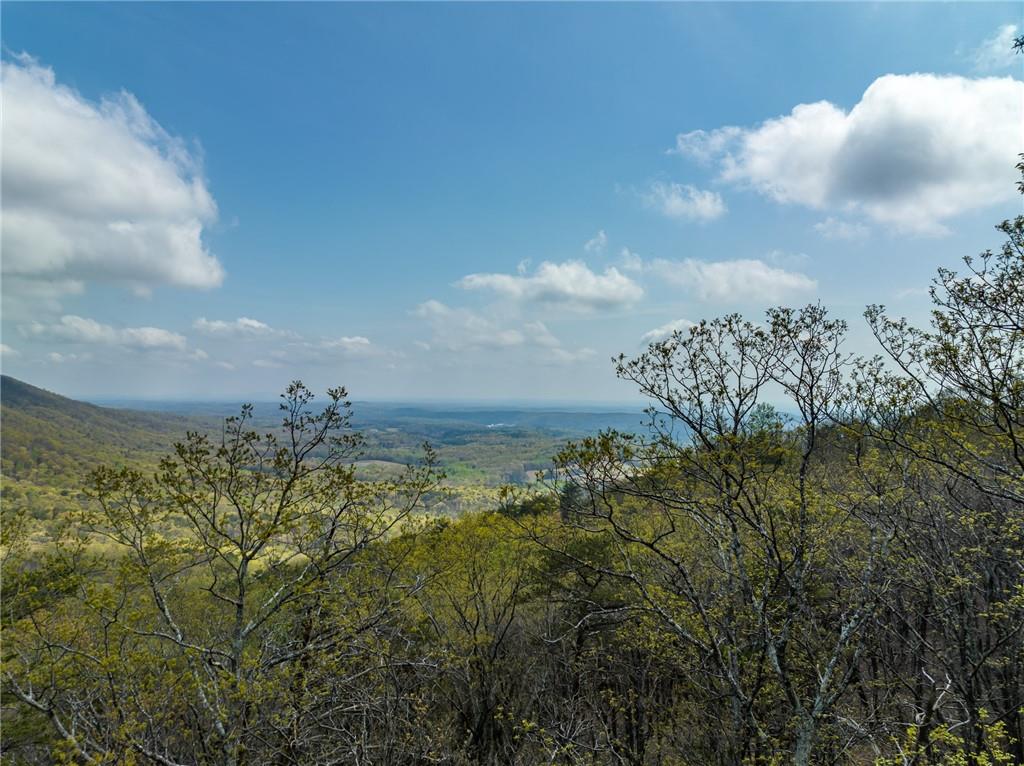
(76,329)
(571,284)
(25,299)
(704,145)
(684,202)
(666,330)
(630,261)
(6,350)
(836,228)
(598,243)
(243,327)
(97,191)
(323,351)
(282,348)
(743,279)
(539,334)
(997,51)
(549,349)
(348,343)
(916,150)
(457,329)
(783,258)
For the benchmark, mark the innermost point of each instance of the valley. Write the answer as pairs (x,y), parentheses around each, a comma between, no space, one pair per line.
(51,443)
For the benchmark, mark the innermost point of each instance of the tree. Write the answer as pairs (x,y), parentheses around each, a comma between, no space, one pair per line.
(948,401)
(730,524)
(236,582)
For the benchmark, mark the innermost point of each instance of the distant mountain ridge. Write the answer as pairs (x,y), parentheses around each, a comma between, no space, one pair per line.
(413,418)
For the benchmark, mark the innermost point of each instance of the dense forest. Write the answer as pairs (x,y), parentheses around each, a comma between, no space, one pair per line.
(835,579)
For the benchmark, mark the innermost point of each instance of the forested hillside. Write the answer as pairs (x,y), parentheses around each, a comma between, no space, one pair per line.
(50,444)
(52,440)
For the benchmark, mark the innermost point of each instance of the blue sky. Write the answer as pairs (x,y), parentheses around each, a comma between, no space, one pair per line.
(477,201)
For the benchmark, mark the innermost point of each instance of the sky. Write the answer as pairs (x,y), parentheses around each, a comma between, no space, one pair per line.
(477,202)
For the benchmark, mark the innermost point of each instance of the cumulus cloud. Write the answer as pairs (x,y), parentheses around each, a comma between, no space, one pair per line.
(915,151)
(571,284)
(356,344)
(684,202)
(97,191)
(743,279)
(79,330)
(539,334)
(997,51)
(630,261)
(456,329)
(322,351)
(666,330)
(836,228)
(705,145)
(243,327)
(460,329)
(275,348)
(598,243)
(549,348)
(240,326)
(6,350)
(784,258)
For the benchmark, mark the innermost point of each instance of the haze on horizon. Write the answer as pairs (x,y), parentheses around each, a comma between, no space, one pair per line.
(477,202)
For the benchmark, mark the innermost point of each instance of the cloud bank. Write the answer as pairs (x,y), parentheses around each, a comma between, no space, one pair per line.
(916,150)
(97,191)
(741,279)
(461,329)
(79,330)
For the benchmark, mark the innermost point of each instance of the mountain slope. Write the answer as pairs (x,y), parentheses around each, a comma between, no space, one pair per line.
(48,439)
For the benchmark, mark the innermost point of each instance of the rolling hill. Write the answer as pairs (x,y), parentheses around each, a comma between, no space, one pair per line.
(50,440)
